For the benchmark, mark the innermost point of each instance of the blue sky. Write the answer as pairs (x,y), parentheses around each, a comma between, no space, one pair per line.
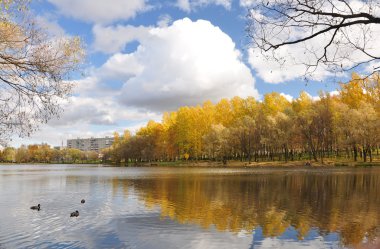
(147,57)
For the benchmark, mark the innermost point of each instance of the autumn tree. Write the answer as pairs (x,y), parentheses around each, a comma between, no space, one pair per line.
(361,119)
(273,106)
(283,131)
(192,124)
(34,70)
(217,143)
(150,136)
(303,106)
(370,130)
(242,136)
(22,155)
(7,155)
(169,136)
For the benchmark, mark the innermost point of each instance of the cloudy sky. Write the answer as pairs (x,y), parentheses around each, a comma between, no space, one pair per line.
(145,57)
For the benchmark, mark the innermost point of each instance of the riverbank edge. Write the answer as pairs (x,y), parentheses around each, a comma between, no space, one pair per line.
(239,164)
(230,164)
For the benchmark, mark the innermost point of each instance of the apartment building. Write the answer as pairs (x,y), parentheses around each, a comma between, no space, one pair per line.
(90,144)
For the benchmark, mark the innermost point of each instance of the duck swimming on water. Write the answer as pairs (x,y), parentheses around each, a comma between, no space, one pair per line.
(74,214)
(38,207)
(82,201)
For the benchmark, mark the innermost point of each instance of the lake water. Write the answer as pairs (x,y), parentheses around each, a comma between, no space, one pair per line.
(188,207)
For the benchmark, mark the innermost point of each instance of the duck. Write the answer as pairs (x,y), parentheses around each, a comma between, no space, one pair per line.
(82,201)
(74,214)
(38,207)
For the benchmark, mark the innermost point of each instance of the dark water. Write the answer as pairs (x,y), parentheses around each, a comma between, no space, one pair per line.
(188,208)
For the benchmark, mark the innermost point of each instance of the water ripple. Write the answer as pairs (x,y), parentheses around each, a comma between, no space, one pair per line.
(187,208)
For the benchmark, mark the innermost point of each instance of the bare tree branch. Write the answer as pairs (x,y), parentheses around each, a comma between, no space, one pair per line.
(34,71)
(340,35)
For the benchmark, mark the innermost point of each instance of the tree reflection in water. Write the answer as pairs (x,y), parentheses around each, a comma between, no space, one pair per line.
(343,202)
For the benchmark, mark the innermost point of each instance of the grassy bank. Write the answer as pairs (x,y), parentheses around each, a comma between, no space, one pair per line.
(232,164)
(219,164)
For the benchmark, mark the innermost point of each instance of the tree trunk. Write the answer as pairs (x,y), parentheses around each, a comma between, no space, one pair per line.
(286,153)
(355,153)
(313,151)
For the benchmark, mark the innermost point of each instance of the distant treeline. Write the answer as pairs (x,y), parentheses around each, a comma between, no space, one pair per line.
(45,154)
(345,125)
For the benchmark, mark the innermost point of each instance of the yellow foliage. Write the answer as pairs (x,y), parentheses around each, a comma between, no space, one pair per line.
(244,128)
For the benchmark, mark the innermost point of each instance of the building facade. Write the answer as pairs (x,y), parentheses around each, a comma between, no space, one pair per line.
(90,144)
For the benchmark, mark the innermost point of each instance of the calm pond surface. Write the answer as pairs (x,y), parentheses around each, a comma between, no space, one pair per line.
(188,207)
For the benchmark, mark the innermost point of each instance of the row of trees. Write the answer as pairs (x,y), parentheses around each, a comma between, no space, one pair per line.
(45,154)
(345,125)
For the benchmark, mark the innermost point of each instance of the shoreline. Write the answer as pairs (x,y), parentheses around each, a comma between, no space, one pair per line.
(274,164)
(230,164)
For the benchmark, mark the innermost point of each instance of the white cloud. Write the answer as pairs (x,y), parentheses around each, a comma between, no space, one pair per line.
(97,104)
(372,66)
(164,20)
(334,93)
(121,66)
(247,3)
(85,110)
(183,64)
(114,38)
(100,11)
(50,25)
(189,5)
(278,71)
(184,5)
(287,96)
(313,98)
